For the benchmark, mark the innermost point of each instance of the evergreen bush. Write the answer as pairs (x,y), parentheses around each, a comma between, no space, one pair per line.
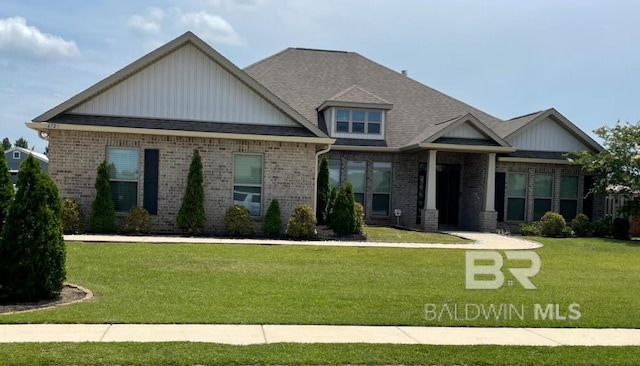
(333,193)
(603,227)
(581,225)
(620,229)
(72,218)
(6,188)
(532,229)
(552,224)
(103,211)
(137,221)
(302,223)
(237,222)
(191,217)
(32,249)
(359,218)
(324,190)
(343,213)
(272,224)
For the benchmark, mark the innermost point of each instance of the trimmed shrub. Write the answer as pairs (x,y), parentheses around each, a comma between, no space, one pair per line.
(272,224)
(620,229)
(302,223)
(567,232)
(324,190)
(137,221)
(529,229)
(359,218)
(603,227)
(581,225)
(333,193)
(72,218)
(6,188)
(32,249)
(552,224)
(343,214)
(103,211)
(237,222)
(191,217)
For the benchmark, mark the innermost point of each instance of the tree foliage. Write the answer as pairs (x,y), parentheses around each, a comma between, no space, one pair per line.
(21,142)
(324,190)
(103,211)
(191,216)
(6,188)
(6,144)
(617,166)
(32,249)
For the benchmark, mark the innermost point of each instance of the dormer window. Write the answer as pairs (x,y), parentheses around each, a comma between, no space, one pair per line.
(358,121)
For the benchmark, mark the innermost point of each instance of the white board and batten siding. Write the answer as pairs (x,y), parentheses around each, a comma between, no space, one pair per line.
(185,85)
(465,130)
(547,135)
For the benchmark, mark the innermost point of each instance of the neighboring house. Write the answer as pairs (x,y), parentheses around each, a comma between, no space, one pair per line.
(16,155)
(260,131)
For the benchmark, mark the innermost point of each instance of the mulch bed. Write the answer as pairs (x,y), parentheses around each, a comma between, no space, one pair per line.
(67,295)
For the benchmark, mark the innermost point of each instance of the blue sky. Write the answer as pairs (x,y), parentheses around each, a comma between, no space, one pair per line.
(507,58)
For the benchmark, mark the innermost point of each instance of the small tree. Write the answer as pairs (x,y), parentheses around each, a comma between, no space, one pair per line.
(272,225)
(6,144)
(21,142)
(103,211)
(191,216)
(323,190)
(6,188)
(32,249)
(330,203)
(343,214)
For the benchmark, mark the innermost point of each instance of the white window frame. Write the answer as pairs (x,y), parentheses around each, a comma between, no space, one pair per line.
(16,154)
(137,180)
(261,185)
(366,121)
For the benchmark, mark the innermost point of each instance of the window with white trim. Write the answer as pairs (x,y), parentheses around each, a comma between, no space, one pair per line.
(16,154)
(381,199)
(516,197)
(543,195)
(334,173)
(123,176)
(356,175)
(569,197)
(359,121)
(247,182)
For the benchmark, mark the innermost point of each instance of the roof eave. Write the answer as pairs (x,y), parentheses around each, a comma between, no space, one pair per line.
(458,148)
(509,159)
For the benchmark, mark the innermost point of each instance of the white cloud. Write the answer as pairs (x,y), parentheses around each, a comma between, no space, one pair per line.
(17,35)
(149,23)
(212,28)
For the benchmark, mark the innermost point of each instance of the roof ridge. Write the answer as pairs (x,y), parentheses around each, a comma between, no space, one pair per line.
(320,50)
(527,115)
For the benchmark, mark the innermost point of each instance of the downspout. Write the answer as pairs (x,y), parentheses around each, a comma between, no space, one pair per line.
(315,179)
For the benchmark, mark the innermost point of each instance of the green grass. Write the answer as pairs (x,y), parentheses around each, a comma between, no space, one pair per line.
(307,354)
(387,234)
(184,283)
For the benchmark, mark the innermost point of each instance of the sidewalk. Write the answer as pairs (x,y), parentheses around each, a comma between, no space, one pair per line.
(265,334)
(486,241)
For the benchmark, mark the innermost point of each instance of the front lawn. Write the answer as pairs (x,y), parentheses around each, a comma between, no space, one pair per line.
(393,235)
(308,354)
(196,283)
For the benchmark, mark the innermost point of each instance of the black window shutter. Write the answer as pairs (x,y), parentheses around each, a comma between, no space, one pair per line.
(499,195)
(151,161)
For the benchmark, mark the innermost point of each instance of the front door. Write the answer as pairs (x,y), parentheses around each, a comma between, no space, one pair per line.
(447,193)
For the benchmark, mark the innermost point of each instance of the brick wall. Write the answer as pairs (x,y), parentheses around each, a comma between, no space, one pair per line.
(288,171)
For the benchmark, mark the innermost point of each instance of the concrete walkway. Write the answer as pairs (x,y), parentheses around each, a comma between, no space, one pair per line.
(265,334)
(485,241)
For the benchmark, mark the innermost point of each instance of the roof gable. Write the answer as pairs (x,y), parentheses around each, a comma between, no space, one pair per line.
(550,131)
(461,128)
(185,79)
(355,96)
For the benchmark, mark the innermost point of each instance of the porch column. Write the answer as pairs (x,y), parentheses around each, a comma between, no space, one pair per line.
(489,198)
(430,213)
(431,181)
(488,220)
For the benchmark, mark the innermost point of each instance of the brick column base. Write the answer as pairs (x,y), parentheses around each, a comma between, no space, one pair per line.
(488,221)
(429,220)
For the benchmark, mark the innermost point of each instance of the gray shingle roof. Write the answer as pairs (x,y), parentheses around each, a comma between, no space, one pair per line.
(356,94)
(304,79)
